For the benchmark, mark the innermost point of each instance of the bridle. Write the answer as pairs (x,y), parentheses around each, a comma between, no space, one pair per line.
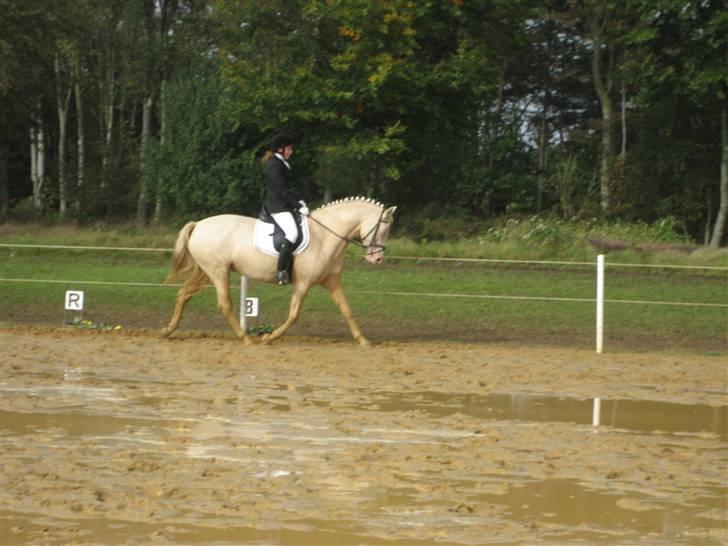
(361,242)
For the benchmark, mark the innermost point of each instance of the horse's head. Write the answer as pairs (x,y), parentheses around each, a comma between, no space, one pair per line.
(374,231)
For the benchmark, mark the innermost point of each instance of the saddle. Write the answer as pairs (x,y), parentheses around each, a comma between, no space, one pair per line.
(268,235)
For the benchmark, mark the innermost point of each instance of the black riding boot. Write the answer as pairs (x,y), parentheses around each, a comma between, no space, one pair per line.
(285,259)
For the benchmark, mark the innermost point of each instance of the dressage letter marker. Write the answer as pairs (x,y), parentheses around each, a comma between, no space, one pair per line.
(251,307)
(248,306)
(74,300)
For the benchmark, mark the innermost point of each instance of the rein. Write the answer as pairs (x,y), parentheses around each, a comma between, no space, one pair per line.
(360,243)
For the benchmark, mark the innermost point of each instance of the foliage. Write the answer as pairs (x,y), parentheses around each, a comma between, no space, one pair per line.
(677,65)
(327,75)
(471,110)
(80,322)
(193,167)
(550,238)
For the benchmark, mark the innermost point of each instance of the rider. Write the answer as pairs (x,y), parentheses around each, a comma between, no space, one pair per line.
(282,200)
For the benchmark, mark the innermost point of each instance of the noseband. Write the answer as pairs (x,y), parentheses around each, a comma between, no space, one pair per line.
(373,232)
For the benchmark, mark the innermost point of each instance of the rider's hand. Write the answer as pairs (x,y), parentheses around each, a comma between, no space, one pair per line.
(303,209)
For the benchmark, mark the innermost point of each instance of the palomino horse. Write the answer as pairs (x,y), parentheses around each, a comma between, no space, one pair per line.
(209,249)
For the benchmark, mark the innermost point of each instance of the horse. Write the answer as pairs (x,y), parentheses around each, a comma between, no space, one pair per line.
(209,249)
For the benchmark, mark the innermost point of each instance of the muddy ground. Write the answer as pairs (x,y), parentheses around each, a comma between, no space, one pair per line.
(123,438)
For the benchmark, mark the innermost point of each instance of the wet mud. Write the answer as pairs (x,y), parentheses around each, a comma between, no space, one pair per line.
(114,438)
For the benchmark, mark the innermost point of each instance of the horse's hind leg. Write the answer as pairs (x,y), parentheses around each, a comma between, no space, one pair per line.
(222,286)
(191,286)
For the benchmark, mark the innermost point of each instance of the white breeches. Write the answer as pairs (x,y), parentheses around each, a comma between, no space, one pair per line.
(288,225)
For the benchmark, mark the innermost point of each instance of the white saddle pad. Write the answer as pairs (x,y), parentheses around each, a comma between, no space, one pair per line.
(263,237)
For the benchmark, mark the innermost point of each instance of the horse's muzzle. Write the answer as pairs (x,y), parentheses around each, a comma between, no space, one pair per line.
(375,256)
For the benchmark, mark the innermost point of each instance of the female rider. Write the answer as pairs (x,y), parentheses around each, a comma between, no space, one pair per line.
(282,200)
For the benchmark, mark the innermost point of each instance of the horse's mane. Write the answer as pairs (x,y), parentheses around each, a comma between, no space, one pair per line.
(360,199)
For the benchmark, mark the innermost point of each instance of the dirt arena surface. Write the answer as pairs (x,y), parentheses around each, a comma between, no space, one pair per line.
(124,438)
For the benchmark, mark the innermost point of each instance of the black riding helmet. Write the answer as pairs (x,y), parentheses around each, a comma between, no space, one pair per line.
(281,141)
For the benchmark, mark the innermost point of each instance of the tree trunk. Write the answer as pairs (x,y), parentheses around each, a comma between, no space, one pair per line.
(605,165)
(80,135)
(494,117)
(141,218)
(623,150)
(708,221)
(37,161)
(4,197)
(62,132)
(62,102)
(108,122)
(722,218)
(162,140)
(543,132)
(603,85)
(33,158)
(542,143)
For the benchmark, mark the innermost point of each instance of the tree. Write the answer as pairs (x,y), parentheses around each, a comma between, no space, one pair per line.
(552,72)
(28,31)
(392,94)
(720,222)
(195,167)
(63,98)
(474,108)
(680,51)
(603,24)
(323,70)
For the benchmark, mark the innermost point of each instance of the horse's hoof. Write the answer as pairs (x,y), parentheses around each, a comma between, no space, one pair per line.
(266,339)
(364,343)
(247,342)
(165,332)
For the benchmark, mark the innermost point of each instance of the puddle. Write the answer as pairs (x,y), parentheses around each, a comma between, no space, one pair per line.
(633,415)
(63,391)
(566,505)
(73,424)
(642,416)
(278,448)
(19,528)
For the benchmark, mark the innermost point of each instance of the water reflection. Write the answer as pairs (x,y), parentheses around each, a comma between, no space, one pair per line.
(633,415)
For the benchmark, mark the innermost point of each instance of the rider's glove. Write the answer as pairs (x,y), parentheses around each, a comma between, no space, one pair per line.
(303,209)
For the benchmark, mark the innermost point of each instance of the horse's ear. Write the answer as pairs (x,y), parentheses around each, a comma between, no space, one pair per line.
(388,214)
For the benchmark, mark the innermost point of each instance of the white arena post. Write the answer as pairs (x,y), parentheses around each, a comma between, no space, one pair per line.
(243,298)
(600,303)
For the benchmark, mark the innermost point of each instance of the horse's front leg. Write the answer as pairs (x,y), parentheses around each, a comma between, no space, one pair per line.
(333,283)
(297,297)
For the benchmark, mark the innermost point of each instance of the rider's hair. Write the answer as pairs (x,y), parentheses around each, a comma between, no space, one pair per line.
(267,156)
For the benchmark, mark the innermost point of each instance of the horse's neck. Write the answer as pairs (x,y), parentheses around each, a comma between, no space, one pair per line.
(345,218)
(339,225)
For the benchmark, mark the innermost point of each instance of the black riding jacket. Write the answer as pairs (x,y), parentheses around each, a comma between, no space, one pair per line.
(281,196)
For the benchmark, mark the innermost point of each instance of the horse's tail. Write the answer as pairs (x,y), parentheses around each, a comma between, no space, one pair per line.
(182,260)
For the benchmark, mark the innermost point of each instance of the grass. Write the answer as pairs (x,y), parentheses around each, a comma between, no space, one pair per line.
(382,314)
